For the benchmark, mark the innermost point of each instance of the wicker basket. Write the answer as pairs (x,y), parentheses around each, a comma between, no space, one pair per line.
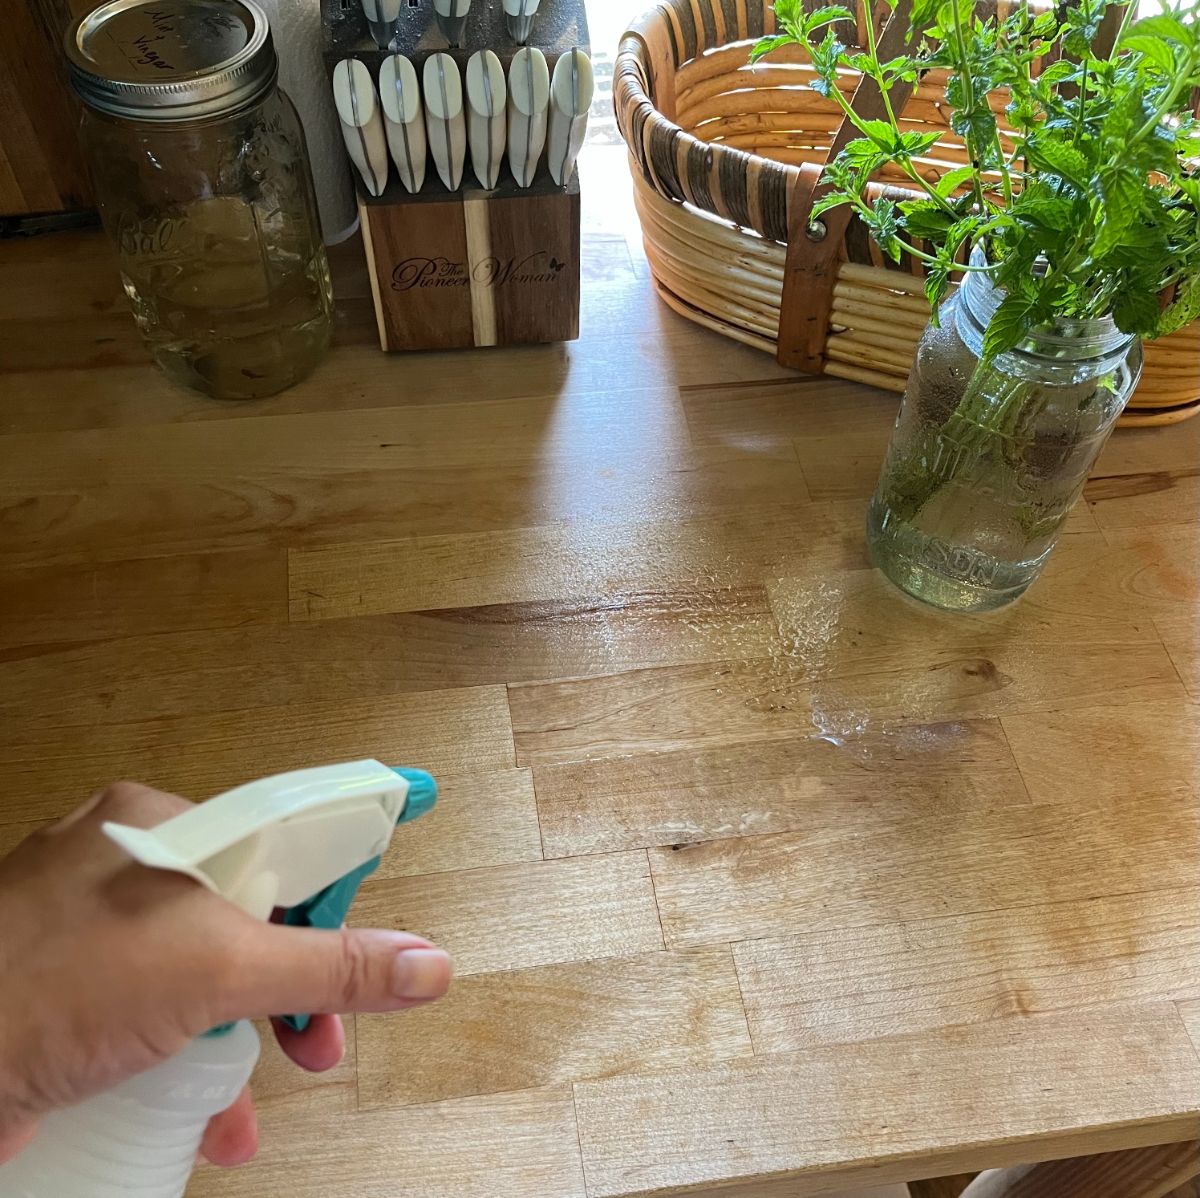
(726,161)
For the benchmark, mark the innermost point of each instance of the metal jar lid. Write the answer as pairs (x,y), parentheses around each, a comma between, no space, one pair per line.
(171,60)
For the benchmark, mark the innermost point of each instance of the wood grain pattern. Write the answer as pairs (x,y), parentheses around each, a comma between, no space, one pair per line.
(946,972)
(787,696)
(795,1114)
(534,564)
(519,916)
(527,1139)
(765,885)
(41,165)
(76,603)
(803,784)
(505,1031)
(45,773)
(267,664)
(487,819)
(938,873)
(1153,748)
(405,495)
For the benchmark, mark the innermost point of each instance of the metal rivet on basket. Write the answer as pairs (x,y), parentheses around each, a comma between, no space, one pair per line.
(816,230)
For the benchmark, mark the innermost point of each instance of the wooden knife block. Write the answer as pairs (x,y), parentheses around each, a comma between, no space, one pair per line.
(473,267)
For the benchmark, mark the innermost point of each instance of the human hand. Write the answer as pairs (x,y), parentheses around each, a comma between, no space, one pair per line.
(109,968)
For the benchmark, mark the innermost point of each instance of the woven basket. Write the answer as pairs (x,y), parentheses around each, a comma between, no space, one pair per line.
(726,161)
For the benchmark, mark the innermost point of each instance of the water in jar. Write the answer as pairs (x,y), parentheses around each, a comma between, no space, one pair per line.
(232,298)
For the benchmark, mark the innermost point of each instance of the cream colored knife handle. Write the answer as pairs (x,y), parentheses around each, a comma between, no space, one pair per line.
(444,117)
(518,16)
(403,119)
(452,18)
(528,100)
(570,98)
(487,96)
(362,123)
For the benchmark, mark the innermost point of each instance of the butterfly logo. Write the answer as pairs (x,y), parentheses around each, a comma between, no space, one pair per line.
(555,264)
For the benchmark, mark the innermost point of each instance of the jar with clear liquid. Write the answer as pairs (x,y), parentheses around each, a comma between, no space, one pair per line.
(203,183)
(988,456)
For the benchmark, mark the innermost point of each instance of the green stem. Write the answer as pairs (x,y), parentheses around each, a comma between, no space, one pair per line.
(980,420)
(873,51)
(1082,100)
(1126,21)
(987,268)
(903,159)
(968,86)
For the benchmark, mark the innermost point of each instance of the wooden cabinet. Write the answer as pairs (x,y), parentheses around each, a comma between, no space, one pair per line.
(41,165)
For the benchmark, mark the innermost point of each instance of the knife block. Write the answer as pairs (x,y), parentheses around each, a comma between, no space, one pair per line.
(473,267)
(451,270)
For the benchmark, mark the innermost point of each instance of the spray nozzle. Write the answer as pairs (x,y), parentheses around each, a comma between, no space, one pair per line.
(302,841)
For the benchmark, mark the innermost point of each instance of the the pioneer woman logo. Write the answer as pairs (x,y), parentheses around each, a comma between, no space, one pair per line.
(499,272)
(429,272)
(536,269)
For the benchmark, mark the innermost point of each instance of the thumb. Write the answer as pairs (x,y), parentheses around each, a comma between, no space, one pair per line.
(290,970)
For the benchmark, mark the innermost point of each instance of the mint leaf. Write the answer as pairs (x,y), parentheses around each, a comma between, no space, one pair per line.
(1184,310)
(1059,72)
(826,16)
(864,155)
(980,126)
(1136,311)
(915,144)
(1045,210)
(1160,25)
(937,283)
(1010,322)
(835,199)
(882,223)
(1153,49)
(924,13)
(925,219)
(1121,191)
(951,181)
(1053,153)
(825,58)
(882,134)
(768,45)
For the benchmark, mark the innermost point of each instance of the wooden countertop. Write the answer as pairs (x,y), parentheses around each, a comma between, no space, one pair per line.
(752,869)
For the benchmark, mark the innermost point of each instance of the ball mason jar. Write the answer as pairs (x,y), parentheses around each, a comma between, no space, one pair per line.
(988,456)
(203,184)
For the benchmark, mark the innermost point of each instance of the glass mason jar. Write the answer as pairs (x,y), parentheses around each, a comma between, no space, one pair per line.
(202,180)
(988,457)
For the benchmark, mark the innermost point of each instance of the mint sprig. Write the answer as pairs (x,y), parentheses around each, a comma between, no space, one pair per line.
(1092,206)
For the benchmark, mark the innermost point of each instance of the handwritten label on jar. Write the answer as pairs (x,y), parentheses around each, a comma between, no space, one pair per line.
(143,52)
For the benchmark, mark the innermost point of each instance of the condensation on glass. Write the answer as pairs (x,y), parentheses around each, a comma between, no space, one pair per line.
(988,456)
(203,184)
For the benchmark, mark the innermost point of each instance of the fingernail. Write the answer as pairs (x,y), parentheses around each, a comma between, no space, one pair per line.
(420,973)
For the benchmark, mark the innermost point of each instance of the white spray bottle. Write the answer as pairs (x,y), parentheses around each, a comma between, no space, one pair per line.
(301,841)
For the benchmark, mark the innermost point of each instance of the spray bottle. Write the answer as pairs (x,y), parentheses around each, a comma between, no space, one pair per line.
(301,841)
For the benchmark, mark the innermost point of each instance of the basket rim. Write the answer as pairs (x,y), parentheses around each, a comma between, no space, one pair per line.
(639,117)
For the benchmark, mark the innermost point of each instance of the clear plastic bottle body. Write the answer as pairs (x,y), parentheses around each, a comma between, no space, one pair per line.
(215,226)
(139,1140)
